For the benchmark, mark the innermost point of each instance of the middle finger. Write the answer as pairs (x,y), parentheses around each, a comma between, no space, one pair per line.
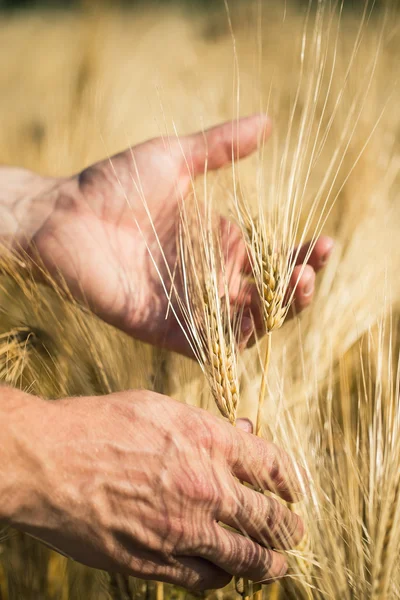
(261,517)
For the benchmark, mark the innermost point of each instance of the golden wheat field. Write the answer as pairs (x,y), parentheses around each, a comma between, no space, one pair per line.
(78,86)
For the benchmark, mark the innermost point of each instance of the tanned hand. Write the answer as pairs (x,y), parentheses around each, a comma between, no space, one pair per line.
(140,484)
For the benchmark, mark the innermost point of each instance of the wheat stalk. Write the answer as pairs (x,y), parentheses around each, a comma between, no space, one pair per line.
(267,272)
(382,570)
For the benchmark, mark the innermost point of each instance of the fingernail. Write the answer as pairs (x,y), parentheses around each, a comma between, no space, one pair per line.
(245,425)
(265,119)
(308,287)
(324,259)
(246,326)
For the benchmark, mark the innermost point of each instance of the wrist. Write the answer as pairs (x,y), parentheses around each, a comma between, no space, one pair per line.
(22,421)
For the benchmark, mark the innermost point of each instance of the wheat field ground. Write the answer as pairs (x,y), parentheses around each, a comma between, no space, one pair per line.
(77,86)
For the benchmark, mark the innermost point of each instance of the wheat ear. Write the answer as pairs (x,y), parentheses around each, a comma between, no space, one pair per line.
(204,305)
(221,366)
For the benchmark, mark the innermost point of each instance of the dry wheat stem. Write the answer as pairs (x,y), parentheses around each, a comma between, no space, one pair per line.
(382,571)
(159,591)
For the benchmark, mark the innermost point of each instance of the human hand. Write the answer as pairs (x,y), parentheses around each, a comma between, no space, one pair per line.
(140,484)
(97,234)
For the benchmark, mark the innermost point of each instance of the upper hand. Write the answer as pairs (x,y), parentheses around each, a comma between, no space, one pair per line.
(98,235)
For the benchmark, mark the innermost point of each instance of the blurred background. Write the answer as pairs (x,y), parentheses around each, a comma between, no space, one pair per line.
(26,4)
(83,79)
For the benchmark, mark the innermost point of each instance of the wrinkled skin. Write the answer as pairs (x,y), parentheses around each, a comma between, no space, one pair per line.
(140,484)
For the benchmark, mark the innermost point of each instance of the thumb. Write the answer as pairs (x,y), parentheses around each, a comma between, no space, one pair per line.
(217,147)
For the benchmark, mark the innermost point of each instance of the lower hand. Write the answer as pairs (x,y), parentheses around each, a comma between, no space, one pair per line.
(140,484)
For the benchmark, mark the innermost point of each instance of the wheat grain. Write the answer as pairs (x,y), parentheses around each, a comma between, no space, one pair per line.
(221,366)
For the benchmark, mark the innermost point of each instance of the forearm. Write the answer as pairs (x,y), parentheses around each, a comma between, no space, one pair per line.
(20,425)
(26,201)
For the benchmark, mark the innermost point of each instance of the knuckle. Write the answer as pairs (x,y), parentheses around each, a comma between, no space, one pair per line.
(234,449)
(231,507)
(295,529)
(274,517)
(284,527)
(201,428)
(286,469)
(269,567)
(207,543)
(254,511)
(199,488)
(251,557)
(205,434)
(234,503)
(203,547)
(206,491)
